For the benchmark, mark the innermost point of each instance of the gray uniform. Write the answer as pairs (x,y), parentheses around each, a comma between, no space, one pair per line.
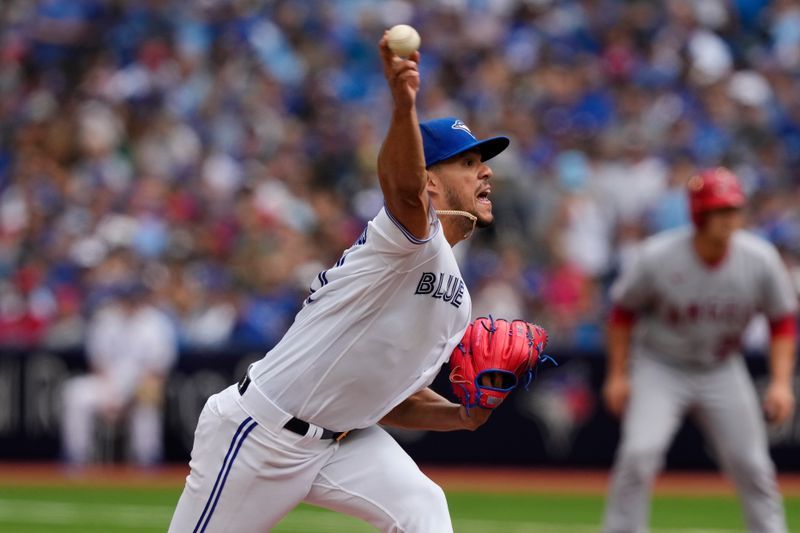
(685,355)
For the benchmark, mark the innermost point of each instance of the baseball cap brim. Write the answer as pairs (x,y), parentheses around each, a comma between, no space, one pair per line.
(492,146)
(488,147)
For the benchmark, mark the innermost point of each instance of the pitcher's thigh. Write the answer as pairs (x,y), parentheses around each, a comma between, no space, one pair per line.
(371,477)
(243,478)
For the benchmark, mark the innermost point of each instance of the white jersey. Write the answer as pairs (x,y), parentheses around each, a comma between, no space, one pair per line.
(694,314)
(375,329)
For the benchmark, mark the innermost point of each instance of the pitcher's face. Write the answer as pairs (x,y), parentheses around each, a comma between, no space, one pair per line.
(463,183)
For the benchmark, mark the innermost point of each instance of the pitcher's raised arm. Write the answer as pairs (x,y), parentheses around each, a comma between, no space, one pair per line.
(401,162)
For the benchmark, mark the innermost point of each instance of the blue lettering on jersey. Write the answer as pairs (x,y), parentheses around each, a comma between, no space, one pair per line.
(451,290)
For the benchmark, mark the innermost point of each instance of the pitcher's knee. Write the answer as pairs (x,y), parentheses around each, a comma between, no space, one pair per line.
(423,510)
(432,499)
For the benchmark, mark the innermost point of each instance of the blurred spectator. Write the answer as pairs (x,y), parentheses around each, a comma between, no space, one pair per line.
(130,346)
(228,146)
(502,290)
(671,209)
(584,226)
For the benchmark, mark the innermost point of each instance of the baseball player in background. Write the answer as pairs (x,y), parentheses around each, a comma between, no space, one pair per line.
(680,308)
(130,345)
(370,338)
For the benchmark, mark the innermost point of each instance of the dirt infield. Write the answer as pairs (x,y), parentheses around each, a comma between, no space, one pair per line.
(586,481)
(452,478)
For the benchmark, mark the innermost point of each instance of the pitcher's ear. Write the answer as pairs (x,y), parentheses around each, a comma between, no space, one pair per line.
(430,179)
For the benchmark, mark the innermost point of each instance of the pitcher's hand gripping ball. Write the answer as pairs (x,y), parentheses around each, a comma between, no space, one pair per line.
(403,40)
(492,359)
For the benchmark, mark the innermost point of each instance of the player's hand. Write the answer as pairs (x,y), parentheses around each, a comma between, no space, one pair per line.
(150,390)
(616,391)
(492,379)
(402,74)
(779,402)
(473,418)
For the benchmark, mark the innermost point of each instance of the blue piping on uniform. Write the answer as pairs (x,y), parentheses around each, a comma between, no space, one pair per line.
(203,517)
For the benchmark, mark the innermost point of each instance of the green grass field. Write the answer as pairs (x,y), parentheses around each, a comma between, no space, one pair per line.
(111,509)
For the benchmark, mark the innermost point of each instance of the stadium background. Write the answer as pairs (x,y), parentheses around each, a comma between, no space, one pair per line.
(223,151)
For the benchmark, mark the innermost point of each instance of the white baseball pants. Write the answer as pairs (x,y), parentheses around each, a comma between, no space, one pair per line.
(247,473)
(729,414)
(84,397)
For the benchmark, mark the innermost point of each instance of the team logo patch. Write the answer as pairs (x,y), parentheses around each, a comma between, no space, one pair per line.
(459,125)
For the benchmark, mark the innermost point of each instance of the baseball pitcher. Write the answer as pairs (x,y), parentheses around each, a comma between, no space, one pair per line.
(371,336)
(680,309)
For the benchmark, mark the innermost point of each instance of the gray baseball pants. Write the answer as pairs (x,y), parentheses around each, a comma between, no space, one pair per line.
(730,416)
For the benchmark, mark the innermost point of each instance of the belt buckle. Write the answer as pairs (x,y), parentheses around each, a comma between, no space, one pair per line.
(343,435)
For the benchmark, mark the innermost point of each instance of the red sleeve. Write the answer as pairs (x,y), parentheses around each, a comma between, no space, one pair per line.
(785,326)
(622,317)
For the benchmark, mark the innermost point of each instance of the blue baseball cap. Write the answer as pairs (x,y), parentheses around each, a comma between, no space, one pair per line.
(442,138)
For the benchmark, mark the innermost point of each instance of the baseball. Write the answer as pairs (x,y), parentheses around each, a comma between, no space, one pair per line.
(403,40)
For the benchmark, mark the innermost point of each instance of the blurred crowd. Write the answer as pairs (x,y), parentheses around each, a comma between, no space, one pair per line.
(222,152)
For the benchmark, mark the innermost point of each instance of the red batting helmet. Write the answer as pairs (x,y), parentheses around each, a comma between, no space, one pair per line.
(717,188)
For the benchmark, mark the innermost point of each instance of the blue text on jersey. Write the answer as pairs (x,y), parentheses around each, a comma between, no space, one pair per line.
(434,284)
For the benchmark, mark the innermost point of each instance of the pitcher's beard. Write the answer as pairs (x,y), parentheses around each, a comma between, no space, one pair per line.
(467,221)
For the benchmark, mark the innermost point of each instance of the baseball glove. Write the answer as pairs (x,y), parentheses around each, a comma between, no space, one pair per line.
(492,359)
